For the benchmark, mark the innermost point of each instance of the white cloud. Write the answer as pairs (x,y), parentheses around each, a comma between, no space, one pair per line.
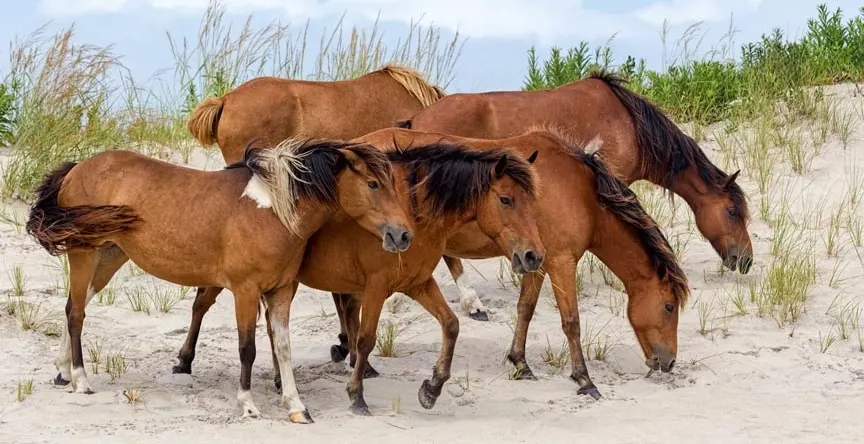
(688,11)
(544,19)
(77,7)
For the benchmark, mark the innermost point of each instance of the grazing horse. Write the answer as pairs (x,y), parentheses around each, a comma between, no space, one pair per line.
(581,206)
(444,187)
(273,109)
(639,143)
(252,223)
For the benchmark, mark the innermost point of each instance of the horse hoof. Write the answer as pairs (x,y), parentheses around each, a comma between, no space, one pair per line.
(370,372)
(590,390)
(426,395)
(185,369)
(479,315)
(301,417)
(338,353)
(525,375)
(360,410)
(251,413)
(59,381)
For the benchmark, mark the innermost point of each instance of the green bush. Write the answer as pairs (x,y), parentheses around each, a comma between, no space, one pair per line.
(706,91)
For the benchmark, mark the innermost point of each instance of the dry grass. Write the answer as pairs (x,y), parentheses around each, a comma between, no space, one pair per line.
(556,359)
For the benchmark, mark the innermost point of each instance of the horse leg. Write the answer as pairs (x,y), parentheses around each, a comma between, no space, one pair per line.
(374,296)
(205,297)
(110,260)
(246,308)
(429,296)
(340,351)
(563,276)
(279,314)
(82,267)
(277,376)
(468,299)
(351,307)
(528,296)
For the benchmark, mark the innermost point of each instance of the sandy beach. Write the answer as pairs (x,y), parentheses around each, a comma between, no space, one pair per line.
(740,377)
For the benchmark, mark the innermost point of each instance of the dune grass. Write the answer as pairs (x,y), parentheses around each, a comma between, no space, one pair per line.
(64,101)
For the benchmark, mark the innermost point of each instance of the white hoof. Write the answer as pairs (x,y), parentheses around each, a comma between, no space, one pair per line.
(244,399)
(80,383)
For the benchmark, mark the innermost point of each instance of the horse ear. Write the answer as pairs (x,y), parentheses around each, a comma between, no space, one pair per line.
(731,179)
(501,166)
(403,124)
(350,156)
(532,157)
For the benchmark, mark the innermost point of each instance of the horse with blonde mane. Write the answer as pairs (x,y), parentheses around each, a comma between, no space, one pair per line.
(253,220)
(443,186)
(272,109)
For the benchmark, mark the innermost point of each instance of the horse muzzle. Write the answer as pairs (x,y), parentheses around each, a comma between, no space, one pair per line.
(736,258)
(396,238)
(662,360)
(526,261)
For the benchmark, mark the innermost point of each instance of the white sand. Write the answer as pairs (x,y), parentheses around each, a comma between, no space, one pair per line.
(745,381)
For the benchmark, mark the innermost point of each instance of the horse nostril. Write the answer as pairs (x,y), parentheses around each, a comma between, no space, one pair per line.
(530,257)
(407,236)
(671,364)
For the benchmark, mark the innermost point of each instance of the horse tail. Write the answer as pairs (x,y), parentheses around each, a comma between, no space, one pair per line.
(59,229)
(664,149)
(204,120)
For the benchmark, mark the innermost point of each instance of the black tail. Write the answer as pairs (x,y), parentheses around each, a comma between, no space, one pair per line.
(59,229)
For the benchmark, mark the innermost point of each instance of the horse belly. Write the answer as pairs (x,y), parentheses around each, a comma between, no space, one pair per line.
(188,265)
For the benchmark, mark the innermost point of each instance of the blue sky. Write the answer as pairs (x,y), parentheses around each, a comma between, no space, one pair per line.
(499,32)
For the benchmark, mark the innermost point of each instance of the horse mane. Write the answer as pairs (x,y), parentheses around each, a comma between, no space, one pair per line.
(618,198)
(299,168)
(665,150)
(414,83)
(457,178)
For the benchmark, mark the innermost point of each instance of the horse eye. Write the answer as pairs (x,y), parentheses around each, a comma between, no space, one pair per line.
(372,184)
(670,308)
(733,211)
(506,201)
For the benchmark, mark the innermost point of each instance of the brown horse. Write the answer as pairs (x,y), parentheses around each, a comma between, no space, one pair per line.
(444,186)
(581,206)
(639,143)
(274,109)
(252,223)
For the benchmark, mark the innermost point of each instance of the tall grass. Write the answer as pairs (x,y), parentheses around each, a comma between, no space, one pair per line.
(63,100)
(60,107)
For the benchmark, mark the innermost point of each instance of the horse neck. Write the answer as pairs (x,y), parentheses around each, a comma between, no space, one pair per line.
(311,216)
(624,254)
(691,187)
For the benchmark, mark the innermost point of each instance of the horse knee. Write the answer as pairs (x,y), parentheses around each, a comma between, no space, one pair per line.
(570,325)
(365,344)
(451,327)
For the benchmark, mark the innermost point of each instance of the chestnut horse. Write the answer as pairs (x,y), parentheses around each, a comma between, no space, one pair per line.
(444,186)
(581,206)
(639,143)
(253,221)
(274,109)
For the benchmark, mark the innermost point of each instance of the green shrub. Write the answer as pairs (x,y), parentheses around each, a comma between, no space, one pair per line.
(705,91)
